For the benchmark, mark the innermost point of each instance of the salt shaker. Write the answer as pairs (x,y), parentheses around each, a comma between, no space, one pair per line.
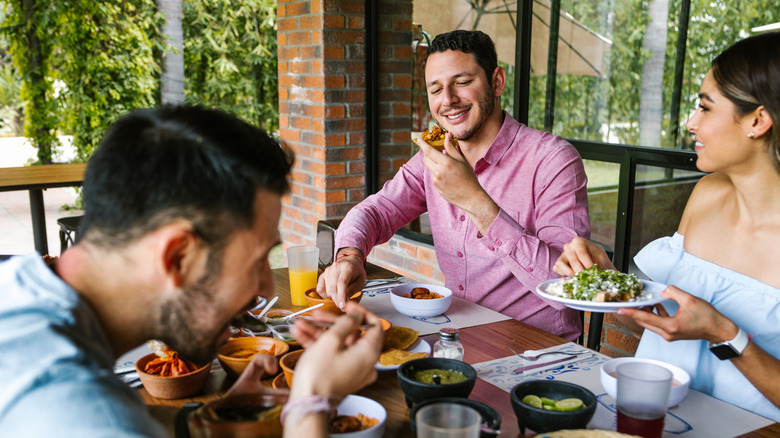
(448,345)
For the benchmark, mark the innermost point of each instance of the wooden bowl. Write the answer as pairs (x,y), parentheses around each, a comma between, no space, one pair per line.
(234,366)
(172,387)
(385,324)
(312,299)
(287,362)
(279,382)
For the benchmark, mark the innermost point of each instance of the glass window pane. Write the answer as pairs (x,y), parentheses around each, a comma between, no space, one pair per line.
(659,200)
(627,96)
(602,200)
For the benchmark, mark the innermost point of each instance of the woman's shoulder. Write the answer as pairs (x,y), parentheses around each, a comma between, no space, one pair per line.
(710,193)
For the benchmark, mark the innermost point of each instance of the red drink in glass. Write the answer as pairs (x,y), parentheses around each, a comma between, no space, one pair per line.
(646,428)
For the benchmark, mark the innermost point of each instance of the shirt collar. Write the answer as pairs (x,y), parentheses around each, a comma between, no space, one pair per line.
(503,140)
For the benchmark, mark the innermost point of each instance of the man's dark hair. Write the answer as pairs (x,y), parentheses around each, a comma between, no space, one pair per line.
(475,42)
(155,166)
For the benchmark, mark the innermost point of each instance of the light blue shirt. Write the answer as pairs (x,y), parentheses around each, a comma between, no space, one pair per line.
(749,303)
(56,365)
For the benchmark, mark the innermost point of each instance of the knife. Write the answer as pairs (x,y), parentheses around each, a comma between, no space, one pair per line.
(553,362)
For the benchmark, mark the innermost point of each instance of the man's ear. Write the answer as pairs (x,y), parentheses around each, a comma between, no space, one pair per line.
(499,81)
(178,252)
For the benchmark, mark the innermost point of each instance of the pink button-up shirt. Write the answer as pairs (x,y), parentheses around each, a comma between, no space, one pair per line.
(538,181)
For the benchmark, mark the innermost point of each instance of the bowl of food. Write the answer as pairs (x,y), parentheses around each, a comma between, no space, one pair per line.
(549,405)
(313,298)
(358,417)
(171,377)
(435,377)
(236,354)
(491,420)
(681,380)
(255,415)
(287,362)
(422,300)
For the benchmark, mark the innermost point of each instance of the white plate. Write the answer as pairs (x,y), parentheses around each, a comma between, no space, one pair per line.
(420,346)
(652,290)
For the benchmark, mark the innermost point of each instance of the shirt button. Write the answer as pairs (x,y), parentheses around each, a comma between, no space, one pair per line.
(462,218)
(460,287)
(498,243)
(460,254)
(491,248)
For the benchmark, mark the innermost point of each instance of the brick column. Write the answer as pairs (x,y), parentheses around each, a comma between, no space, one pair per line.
(322,116)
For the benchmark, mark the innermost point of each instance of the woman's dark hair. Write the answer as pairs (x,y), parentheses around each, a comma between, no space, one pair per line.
(158,165)
(475,42)
(748,74)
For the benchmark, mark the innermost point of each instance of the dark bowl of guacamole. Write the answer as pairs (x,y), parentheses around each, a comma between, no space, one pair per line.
(435,377)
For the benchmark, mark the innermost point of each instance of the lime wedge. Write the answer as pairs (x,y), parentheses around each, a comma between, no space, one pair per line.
(568,404)
(533,400)
(548,401)
(549,408)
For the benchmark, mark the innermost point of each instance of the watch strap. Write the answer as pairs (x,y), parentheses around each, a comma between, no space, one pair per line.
(737,345)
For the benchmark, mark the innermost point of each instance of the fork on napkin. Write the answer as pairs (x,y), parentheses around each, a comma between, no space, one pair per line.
(549,360)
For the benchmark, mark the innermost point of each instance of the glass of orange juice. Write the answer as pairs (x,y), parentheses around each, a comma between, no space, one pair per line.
(302,264)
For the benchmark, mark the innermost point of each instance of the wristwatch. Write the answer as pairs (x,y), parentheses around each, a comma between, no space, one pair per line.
(731,349)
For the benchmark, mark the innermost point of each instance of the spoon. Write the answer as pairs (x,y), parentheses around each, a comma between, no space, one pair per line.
(316,306)
(265,309)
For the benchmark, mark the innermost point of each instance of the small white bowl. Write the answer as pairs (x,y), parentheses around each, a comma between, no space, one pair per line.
(681,380)
(355,404)
(421,308)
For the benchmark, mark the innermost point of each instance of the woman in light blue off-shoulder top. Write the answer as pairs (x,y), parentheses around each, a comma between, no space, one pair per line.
(722,322)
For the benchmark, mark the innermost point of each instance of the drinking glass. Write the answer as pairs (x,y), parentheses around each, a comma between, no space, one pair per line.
(642,395)
(302,263)
(447,420)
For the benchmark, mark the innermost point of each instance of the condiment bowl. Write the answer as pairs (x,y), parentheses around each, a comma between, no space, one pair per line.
(233,365)
(287,362)
(417,392)
(313,298)
(681,380)
(491,420)
(174,386)
(420,307)
(255,415)
(541,420)
(355,404)
(277,316)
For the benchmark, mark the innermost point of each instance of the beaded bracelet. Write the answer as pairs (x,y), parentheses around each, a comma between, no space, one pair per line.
(363,259)
(311,404)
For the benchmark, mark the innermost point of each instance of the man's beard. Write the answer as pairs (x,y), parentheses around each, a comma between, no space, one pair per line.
(487,104)
(179,321)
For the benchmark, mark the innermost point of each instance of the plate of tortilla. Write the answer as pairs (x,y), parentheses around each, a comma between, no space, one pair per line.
(402,344)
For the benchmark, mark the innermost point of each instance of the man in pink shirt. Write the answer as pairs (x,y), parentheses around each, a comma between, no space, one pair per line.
(501,203)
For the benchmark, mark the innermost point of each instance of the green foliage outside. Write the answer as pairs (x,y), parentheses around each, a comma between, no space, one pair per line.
(28,27)
(585,105)
(106,60)
(107,55)
(230,58)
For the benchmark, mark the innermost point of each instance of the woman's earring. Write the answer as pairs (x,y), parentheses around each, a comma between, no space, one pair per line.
(751,135)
